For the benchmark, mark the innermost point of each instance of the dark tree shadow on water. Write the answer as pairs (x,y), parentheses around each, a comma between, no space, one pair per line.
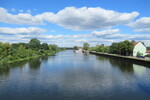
(102,58)
(124,66)
(5,69)
(44,58)
(34,63)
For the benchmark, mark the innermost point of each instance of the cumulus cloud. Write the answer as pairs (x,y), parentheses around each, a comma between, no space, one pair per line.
(106,32)
(72,18)
(141,25)
(21,18)
(14,31)
(89,18)
(102,37)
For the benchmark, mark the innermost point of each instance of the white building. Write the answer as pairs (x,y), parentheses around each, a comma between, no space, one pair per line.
(139,47)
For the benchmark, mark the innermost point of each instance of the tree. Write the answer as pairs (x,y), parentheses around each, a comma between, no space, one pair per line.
(44,46)
(10,53)
(148,48)
(75,48)
(21,52)
(86,46)
(126,48)
(53,47)
(122,48)
(139,54)
(7,49)
(34,44)
(114,48)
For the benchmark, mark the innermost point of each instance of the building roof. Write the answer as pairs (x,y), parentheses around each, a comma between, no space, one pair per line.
(148,51)
(135,43)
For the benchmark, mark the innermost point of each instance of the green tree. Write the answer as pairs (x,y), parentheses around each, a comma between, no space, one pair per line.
(122,48)
(44,46)
(126,48)
(86,46)
(6,49)
(148,48)
(75,48)
(53,47)
(34,44)
(114,48)
(21,52)
(139,54)
(10,53)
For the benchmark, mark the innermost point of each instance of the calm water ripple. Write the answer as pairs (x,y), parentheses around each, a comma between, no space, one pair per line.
(71,76)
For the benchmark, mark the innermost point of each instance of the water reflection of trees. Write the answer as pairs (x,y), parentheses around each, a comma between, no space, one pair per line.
(34,63)
(44,58)
(102,58)
(5,69)
(123,65)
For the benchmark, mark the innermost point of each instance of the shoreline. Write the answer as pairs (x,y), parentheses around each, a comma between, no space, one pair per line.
(19,60)
(122,57)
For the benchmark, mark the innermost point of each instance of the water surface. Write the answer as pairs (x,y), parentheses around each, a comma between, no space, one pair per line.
(71,76)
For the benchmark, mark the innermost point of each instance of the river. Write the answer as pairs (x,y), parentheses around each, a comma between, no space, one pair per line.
(72,76)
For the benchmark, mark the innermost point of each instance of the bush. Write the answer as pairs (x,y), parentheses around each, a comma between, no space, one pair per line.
(10,53)
(139,54)
(148,55)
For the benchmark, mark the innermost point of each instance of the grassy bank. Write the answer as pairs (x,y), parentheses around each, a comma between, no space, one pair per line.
(9,60)
(10,53)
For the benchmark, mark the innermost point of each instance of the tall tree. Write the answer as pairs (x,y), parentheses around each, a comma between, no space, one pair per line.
(123,48)
(44,46)
(86,46)
(75,48)
(34,44)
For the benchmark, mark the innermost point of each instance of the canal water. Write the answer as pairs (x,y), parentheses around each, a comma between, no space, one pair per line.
(72,76)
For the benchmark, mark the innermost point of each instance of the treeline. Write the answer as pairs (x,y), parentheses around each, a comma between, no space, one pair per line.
(100,48)
(10,53)
(122,48)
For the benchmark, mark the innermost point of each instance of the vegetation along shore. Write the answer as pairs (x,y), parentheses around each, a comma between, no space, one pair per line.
(132,50)
(10,53)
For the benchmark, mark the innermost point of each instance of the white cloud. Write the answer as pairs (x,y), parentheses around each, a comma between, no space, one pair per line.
(21,18)
(72,18)
(14,31)
(141,25)
(88,18)
(102,37)
(106,32)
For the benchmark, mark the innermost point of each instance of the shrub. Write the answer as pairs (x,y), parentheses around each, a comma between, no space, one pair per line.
(148,55)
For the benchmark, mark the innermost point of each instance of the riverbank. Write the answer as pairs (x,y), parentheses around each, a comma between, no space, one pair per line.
(27,58)
(122,57)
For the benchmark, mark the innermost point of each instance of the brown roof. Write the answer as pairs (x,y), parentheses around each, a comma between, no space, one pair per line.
(148,51)
(135,43)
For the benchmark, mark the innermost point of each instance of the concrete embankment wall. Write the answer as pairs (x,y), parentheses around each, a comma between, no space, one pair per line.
(139,60)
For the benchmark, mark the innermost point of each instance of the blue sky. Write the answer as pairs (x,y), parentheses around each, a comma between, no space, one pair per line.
(73,22)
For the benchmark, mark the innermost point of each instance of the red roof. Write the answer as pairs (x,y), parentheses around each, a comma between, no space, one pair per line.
(148,51)
(135,43)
